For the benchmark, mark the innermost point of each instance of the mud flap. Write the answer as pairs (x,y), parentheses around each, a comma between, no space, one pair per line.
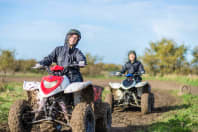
(97,94)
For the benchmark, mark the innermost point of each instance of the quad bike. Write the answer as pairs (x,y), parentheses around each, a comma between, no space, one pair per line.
(132,92)
(55,104)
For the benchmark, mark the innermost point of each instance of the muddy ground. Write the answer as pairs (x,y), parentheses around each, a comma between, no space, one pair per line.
(131,119)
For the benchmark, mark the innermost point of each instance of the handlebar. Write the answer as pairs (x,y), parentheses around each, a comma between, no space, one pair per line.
(58,73)
(120,74)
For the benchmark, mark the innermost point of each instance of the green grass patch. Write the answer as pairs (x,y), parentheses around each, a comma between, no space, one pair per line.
(21,74)
(188,80)
(104,93)
(13,91)
(184,119)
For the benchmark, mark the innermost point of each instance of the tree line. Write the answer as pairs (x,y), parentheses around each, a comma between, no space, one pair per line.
(160,58)
(167,57)
(9,64)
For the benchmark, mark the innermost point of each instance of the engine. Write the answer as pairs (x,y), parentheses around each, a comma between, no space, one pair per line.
(57,107)
(122,96)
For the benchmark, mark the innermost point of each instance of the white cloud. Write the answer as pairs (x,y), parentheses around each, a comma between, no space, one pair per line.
(92,32)
(32,30)
(179,24)
(167,28)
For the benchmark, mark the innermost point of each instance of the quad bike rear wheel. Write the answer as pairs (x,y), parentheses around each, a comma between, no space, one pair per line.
(103,123)
(146,103)
(18,117)
(83,119)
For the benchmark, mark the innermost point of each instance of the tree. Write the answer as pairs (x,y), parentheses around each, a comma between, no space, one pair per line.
(195,55)
(94,67)
(24,65)
(195,60)
(164,57)
(7,61)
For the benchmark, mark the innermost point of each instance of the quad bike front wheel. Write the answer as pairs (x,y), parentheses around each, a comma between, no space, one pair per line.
(83,119)
(103,123)
(146,103)
(19,116)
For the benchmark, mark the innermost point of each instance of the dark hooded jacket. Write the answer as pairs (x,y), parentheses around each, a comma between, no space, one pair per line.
(64,56)
(135,67)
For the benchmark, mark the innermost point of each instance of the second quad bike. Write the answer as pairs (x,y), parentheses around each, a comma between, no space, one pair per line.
(133,92)
(55,104)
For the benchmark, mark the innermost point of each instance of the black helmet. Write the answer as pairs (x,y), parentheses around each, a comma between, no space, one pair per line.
(71,32)
(74,31)
(132,52)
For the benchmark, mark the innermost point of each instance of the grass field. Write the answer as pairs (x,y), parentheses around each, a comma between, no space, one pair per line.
(189,80)
(182,120)
(13,91)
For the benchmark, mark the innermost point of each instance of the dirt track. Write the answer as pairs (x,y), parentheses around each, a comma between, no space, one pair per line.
(131,119)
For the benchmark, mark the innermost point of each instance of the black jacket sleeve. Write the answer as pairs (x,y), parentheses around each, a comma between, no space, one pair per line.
(80,57)
(141,68)
(124,68)
(52,57)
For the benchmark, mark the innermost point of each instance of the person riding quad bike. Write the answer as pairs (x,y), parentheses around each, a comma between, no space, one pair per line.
(67,55)
(132,66)
(132,91)
(62,101)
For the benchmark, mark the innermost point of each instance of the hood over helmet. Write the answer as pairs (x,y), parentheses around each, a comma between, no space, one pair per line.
(71,32)
(132,52)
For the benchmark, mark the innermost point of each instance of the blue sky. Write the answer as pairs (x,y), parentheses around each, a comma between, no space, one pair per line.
(110,28)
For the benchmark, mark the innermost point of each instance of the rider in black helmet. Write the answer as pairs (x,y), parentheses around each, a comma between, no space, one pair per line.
(133,66)
(68,54)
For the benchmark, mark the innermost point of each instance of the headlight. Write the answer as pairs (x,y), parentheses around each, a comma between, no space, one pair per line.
(49,84)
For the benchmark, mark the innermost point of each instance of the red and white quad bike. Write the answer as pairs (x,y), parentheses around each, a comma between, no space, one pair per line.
(55,104)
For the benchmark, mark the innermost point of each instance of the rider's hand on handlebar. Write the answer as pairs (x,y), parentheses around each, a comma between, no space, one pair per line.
(38,66)
(118,74)
(82,63)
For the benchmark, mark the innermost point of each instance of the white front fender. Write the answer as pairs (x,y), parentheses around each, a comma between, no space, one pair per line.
(31,85)
(141,84)
(115,85)
(77,86)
